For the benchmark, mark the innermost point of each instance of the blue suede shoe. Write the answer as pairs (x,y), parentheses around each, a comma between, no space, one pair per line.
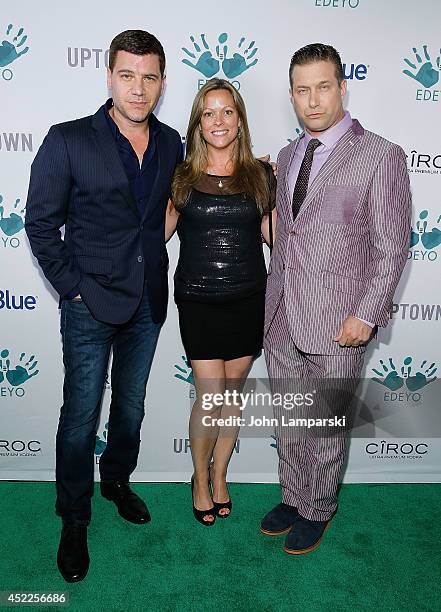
(305,536)
(279,520)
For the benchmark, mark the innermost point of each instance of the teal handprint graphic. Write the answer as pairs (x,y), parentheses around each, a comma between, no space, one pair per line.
(430,239)
(100,444)
(205,63)
(209,64)
(389,377)
(4,364)
(298,132)
(14,223)
(414,238)
(415,382)
(10,49)
(240,62)
(426,74)
(185,374)
(22,371)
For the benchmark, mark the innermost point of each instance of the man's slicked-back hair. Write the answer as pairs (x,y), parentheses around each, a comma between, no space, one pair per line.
(317,52)
(137,42)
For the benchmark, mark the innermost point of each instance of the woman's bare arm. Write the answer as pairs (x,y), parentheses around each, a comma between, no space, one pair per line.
(171,219)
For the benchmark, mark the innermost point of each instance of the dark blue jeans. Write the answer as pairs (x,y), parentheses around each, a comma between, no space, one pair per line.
(86,349)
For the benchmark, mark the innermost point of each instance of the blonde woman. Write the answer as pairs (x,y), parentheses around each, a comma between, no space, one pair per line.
(221,200)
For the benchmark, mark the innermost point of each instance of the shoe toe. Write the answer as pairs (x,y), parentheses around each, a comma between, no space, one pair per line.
(73,555)
(279,520)
(134,511)
(305,536)
(130,506)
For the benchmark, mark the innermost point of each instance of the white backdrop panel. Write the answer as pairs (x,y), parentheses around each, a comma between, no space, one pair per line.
(62,76)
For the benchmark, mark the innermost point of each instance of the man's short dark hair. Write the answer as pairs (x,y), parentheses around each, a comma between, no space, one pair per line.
(137,42)
(317,52)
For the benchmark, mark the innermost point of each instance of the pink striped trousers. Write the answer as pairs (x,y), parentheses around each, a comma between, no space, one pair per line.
(310,464)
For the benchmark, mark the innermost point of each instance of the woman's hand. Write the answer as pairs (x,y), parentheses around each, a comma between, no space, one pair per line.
(267,160)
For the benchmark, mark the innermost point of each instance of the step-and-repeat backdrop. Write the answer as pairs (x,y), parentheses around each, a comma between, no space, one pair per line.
(53,68)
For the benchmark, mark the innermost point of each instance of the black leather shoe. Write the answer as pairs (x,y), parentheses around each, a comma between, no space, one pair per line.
(130,506)
(279,520)
(305,536)
(73,555)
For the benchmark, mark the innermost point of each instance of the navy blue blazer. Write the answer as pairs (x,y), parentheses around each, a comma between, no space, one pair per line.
(78,180)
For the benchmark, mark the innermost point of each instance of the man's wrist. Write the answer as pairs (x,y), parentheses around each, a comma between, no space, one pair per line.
(364,321)
(74,293)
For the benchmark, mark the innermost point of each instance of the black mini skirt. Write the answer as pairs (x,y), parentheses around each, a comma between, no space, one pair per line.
(222,330)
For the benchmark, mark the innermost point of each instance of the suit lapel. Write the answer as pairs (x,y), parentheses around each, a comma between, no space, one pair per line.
(154,190)
(108,149)
(345,146)
(285,167)
(292,152)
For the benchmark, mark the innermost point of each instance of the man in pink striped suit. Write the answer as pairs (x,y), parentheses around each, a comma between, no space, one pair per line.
(343,232)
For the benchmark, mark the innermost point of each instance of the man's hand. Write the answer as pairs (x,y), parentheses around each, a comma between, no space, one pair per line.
(353,332)
(273,165)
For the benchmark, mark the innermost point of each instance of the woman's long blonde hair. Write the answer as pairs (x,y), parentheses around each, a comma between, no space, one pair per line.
(249,174)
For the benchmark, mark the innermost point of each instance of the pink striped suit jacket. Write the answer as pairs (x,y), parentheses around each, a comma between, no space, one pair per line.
(346,250)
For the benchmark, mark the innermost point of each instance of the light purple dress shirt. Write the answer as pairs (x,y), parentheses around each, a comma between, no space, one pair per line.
(329,139)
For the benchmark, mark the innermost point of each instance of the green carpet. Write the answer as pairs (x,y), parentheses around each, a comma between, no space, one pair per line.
(381,553)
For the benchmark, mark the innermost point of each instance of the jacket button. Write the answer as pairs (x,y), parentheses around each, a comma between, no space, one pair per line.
(139,258)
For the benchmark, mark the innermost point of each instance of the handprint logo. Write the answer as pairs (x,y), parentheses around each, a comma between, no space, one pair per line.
(185,374)
(10,49)
(4,365)
(240,62)
(429,239)
(14,223)
(390,378)
(209,64)
(205,63)
(23,371)
(426,74)
(426,375)
(101,443)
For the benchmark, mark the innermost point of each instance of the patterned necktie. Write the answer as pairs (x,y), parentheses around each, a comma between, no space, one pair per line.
(301,186)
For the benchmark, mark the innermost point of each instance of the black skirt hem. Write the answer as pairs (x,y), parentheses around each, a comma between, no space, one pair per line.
(222,330)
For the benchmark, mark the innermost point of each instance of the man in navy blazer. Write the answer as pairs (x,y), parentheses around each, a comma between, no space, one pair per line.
(106,178)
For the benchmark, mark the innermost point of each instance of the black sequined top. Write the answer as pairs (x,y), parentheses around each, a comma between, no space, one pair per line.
(221,255)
